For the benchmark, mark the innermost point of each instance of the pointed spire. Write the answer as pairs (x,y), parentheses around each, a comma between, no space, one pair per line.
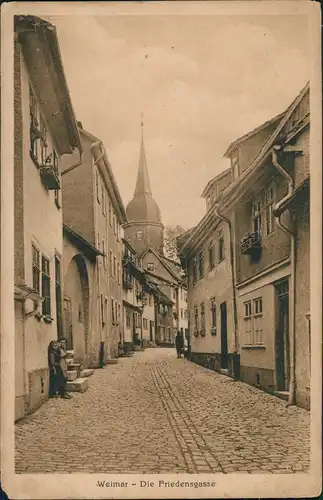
(142,184)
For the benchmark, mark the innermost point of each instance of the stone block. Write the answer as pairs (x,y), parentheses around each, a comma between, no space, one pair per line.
(71,375)
(113,361)
(78,385)
(86,373)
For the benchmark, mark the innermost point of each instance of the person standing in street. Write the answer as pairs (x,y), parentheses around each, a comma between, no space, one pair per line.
(64,366)
(57,380)
(179,344)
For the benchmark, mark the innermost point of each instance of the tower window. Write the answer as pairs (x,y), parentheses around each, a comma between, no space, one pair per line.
(139,235)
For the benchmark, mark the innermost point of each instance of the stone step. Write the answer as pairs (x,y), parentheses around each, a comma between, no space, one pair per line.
(282,395)
(111,361)
(71,375)
(86,373)
(138,348)
(78,385)
(74,366)
(70,354)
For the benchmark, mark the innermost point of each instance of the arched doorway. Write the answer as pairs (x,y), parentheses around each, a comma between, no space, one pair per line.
(76,307)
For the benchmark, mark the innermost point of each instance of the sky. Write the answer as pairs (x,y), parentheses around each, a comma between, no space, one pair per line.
(200,82)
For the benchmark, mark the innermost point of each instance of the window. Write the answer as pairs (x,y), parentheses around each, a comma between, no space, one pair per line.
(145,324)
(97,185)
(221,248)
(58,296)
(257,321)
(34,116)
(103,200)
(185,314)
(256,217)
(43,141)
(36,268)
(174,293)
(139,235)
(110,214)
(112,311)
(196,318)
(201,264)
(118,270)
(194,270)
(114,267)
(253,322)
(104,256)
(269,207)
(202,317)
(128,321)
(45,274)
(114,224)
(169,333)
(150,266)
(185,296)
(211,254)
(110,263)
(213,317)
(182,315)
(102,303)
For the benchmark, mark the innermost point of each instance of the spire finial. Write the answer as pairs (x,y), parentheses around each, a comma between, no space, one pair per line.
(142,123)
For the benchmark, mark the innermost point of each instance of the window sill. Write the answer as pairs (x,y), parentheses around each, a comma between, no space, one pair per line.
(253,346)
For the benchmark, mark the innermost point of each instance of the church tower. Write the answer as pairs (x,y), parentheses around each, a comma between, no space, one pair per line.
(144,228)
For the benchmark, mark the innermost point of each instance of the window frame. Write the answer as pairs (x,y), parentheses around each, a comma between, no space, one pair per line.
(201,264)
(36,268)
(45,284)
(211,254)
(253,322)
(270,222)
(213,316)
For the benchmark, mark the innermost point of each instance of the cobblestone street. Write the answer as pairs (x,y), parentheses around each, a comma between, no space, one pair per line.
(153,413)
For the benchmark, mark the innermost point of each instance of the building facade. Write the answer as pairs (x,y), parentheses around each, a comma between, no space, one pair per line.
(263,215)
(92,207)
(207,256)
(44,134)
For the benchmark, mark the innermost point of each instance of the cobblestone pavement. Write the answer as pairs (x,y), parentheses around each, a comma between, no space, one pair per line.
(153,413)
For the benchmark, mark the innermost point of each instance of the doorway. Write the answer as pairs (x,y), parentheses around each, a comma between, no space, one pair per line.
(224,336)
(151,331)
(282,336)
(68,322)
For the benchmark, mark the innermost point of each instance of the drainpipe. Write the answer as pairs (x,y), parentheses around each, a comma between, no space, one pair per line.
(69,169)
(235,314)
(291,234)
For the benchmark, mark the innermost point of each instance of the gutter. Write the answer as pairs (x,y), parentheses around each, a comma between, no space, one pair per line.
(235,313)
(291,234)
(72,167)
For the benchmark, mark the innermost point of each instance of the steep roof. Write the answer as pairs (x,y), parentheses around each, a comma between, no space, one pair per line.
(110,180)
(41,51)
(143,207)
(255,131)
(168,264)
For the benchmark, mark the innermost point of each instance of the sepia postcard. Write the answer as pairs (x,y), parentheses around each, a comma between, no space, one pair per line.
(161,277)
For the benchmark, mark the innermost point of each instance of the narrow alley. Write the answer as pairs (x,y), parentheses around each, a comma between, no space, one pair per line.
(153,413)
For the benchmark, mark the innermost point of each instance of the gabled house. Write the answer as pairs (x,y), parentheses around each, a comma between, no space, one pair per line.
(136,299)
(206,252)
(265,255)
(45,133)
(93,208)
(171,281)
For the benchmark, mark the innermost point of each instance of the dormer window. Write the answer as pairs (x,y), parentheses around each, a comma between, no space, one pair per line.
(235,164)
